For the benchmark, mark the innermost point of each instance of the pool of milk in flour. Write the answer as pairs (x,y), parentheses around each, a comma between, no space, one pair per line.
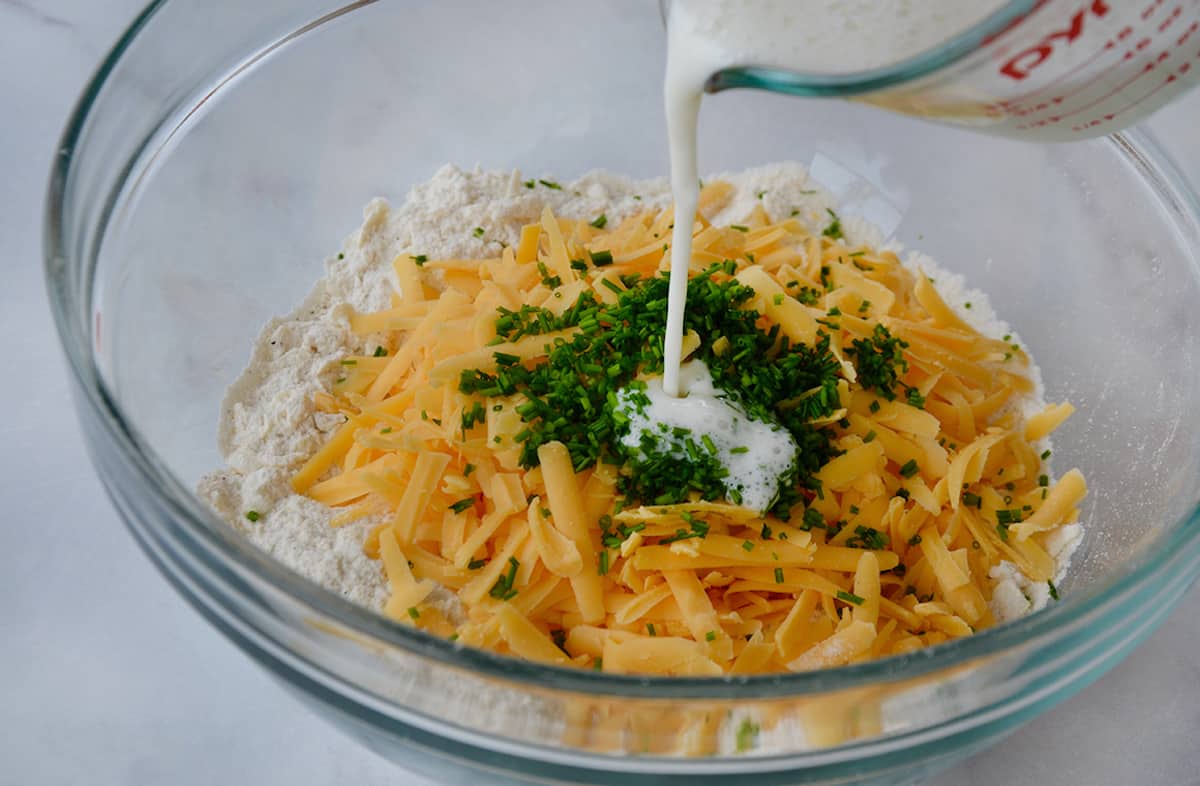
(756,454)
(808,36)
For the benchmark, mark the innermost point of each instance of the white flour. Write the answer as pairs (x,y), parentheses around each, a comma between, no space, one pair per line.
(269,425)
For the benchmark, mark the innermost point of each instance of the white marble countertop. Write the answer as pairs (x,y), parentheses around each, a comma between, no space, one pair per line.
(107,678)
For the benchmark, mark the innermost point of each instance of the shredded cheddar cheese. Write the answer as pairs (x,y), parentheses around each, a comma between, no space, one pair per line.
(933,481)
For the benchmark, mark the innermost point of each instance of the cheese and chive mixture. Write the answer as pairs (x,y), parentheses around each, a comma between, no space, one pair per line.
(854,471)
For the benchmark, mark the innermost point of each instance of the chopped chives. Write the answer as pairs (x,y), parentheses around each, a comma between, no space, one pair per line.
(1009,516)
(601,258)
(503,588)
(570,394)
(850,597)
(834,230)
(747,733)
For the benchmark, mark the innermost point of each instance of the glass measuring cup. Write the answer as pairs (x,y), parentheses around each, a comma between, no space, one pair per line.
(1050,70)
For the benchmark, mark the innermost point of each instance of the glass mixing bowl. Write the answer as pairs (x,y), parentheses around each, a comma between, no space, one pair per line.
(225,148)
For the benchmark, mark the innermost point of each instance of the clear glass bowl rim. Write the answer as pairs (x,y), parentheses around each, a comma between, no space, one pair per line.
(216,543)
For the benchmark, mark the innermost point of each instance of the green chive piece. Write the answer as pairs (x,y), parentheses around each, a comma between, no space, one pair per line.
(747,735)
(601,258)
(850,597)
